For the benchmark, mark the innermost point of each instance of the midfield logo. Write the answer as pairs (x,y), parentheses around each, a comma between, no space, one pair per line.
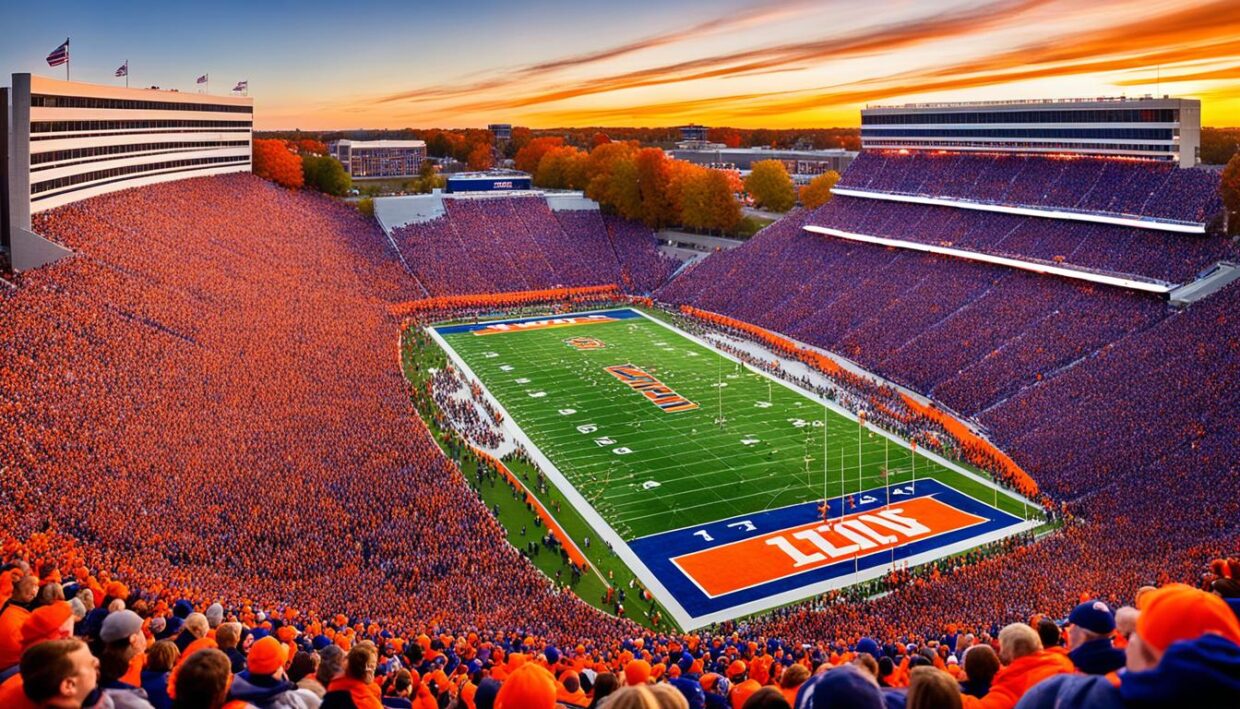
(585,343)
(656,391)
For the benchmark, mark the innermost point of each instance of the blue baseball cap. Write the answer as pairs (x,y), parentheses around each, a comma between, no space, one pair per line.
(1093,616)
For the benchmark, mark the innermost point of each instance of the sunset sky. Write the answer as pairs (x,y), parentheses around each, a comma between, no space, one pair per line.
(743,63)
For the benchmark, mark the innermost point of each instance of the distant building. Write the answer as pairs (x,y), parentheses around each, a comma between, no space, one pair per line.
(501,131)
(1152,128)
(66,141)
(693,132)
(374,159)
(489,181)
(803,165)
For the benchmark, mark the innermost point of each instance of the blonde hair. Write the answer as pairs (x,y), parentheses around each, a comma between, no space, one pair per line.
(646,696)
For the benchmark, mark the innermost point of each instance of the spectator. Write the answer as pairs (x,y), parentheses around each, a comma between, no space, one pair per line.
(793,678)
(1125,624)
(980,665)
(59,674)
(195,627)
(843,687)
(263,683)
(643,696)
(399,689)
(932,688)
(1089,635)
(767,698)
(122,646)
(355,688)
(161,657)
(227,636)
(331,667)
(743,686)
(1185,651)
(531,687)
(1025,664)
(13,614)
(202,681)
(605,684)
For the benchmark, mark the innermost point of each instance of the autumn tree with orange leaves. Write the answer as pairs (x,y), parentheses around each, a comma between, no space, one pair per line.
(528,157)
(273,160)
(818,191)
(480,157)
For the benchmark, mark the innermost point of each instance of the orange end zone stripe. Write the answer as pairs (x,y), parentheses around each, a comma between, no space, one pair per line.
(776,555)
(502,328)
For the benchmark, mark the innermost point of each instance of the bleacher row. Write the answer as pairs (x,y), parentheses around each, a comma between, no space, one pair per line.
(532,247)
(1142,188)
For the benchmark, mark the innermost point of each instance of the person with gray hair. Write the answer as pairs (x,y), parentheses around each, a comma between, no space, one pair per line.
(1025,663)
(215,615)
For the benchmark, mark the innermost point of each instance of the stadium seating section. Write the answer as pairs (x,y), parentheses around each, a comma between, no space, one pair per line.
(204,403)
(532,246)
(1157,190)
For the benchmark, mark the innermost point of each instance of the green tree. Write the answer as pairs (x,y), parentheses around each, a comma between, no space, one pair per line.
(326,175)
(818,191)
(770,186)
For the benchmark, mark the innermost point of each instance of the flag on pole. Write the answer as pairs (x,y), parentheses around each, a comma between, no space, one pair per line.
(59,55)
(202,79)
(123,70)
(242,86)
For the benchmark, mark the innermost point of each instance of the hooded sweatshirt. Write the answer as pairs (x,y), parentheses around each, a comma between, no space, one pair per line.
(265,691)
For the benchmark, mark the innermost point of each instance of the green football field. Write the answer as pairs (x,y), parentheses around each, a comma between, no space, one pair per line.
(750,444)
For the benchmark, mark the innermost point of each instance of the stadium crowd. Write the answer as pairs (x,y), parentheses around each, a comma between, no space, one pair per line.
(532,246)
(74,641)
(1144,253)
(1145,188)
(202,424)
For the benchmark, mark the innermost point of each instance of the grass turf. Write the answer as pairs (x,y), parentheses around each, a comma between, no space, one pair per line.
(768,451)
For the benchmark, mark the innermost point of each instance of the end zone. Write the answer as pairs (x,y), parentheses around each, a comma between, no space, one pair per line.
(752,562)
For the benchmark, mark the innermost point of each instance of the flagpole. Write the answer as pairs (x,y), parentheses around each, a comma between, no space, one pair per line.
(68,58)
(126,73)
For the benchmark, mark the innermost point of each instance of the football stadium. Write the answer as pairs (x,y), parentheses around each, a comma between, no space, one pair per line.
(964,433)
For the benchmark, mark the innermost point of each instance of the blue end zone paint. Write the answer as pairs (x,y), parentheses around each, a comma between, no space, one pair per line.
(620,314)
(657,550)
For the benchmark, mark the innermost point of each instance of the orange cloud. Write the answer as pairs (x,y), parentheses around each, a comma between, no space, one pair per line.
(1231,72)
(885,37)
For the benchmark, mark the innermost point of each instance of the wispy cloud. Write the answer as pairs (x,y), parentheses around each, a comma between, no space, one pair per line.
(834,46)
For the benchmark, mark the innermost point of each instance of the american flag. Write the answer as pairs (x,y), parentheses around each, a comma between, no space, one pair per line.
(202,79)
(123,70)
(59,55)
(242,86)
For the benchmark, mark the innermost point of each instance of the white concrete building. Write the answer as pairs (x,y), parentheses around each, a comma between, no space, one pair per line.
(1151,128)
(67,141)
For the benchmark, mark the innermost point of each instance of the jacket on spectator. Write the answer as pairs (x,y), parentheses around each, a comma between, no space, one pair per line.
(1199,673)
(1097,657)
(1011,682)
(265,691)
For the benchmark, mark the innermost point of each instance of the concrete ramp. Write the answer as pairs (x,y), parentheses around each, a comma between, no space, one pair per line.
(1209,282)
(395,212)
